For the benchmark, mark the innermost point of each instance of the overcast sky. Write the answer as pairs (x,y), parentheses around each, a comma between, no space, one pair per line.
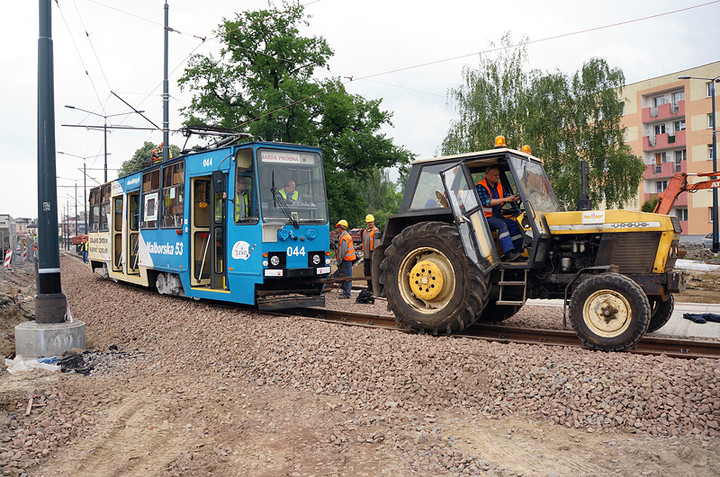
(123,52)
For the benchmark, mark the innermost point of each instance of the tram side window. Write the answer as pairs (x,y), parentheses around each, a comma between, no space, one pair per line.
(95,210)
(173,195)
(245,210)
(105,208)
(150,199)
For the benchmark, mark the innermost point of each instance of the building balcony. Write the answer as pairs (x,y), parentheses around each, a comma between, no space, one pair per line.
(663,112)
(664,141)
(664,170)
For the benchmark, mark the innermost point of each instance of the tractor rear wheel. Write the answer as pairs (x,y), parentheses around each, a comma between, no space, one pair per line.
(429,282)
(609,312)
(660,312)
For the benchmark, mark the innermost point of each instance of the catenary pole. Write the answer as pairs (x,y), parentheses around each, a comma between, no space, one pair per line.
(166,94)
(50,302)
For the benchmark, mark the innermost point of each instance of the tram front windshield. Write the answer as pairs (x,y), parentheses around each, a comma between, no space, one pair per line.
(292,186)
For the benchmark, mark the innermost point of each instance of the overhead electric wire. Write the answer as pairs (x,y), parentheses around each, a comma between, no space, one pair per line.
(92,47)
(554,37)
(77,51)
(491,50)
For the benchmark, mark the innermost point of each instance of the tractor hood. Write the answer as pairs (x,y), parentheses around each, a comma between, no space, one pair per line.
(610,221)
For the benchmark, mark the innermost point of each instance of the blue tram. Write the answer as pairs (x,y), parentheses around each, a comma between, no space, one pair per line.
(244,223)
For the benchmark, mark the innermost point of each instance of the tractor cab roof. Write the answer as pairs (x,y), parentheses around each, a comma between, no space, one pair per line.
(479,159)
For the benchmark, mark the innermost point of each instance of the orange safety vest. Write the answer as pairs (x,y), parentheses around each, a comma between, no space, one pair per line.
(372,237)
(488,210)
(350,254)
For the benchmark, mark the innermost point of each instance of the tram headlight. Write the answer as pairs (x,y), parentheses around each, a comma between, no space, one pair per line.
(274,260)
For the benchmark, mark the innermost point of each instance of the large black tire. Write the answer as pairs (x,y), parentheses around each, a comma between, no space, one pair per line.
(429,282)
(494,313)
(660,312)
(609,312)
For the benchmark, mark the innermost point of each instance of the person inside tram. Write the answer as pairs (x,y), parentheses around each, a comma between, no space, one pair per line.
(289,193)
(243,199)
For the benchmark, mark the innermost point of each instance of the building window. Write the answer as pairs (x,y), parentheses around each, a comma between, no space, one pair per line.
(658,100)
(680,156)
(710,120)
(681,214)
(659,129)
(658,169)
(710,152)
(677,97)
(709,88)
(710,214)
(679,125)
(660,186)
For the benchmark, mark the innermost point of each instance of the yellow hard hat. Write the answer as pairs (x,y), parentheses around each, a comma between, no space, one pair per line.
(342,223)
(369,218)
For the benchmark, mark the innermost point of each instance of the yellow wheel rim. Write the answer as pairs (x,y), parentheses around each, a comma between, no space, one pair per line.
(426,280)
(607,313)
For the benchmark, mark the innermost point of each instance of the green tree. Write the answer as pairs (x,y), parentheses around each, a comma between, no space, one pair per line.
(381,195)
(564,119)
(264,81)
(143,158)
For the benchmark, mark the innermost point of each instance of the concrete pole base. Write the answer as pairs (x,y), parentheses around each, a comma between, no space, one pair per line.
(42,340)
(50,308)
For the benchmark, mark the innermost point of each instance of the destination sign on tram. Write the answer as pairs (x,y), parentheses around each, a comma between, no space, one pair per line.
(284,157)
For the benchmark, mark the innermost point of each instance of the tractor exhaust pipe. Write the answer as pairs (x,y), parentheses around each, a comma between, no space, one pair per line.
(584,203)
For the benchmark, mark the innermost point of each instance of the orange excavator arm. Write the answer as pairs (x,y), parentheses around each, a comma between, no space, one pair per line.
(679,183)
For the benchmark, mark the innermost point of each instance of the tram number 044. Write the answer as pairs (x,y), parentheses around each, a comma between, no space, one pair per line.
(207,162)
(297,251)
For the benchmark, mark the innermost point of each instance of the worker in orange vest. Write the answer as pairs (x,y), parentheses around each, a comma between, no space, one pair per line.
(368,245)
(492,198)
(345,256)
(157,153)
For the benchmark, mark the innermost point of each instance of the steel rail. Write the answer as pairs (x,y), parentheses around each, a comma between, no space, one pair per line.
(648,345)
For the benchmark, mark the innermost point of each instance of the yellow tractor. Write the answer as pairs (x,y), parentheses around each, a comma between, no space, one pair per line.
(440,267)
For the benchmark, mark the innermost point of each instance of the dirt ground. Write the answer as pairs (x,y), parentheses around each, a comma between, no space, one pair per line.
(144,421)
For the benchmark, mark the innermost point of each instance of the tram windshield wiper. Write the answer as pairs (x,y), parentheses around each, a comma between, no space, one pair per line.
(281,203)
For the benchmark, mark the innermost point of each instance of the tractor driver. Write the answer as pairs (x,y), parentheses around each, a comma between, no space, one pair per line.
(492,198)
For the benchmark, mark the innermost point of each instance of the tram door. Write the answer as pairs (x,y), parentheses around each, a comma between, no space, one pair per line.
(207,226)
(133,217)
(117,234)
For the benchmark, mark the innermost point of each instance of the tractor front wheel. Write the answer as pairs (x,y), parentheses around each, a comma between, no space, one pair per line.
(609,312)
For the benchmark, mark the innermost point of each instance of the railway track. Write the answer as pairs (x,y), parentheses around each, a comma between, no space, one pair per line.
(649,345)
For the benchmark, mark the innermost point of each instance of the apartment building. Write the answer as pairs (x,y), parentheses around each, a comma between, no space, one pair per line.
(668,123)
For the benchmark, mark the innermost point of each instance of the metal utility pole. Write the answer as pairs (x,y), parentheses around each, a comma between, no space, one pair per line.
(166,95)
(76,224)
(84,170)
(50,302)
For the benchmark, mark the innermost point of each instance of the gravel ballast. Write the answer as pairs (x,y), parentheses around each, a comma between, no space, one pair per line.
(392,386)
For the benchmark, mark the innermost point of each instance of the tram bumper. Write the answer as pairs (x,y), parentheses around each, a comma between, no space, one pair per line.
(290,288)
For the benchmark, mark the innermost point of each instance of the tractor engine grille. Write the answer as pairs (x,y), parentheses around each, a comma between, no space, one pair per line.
(633,252)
